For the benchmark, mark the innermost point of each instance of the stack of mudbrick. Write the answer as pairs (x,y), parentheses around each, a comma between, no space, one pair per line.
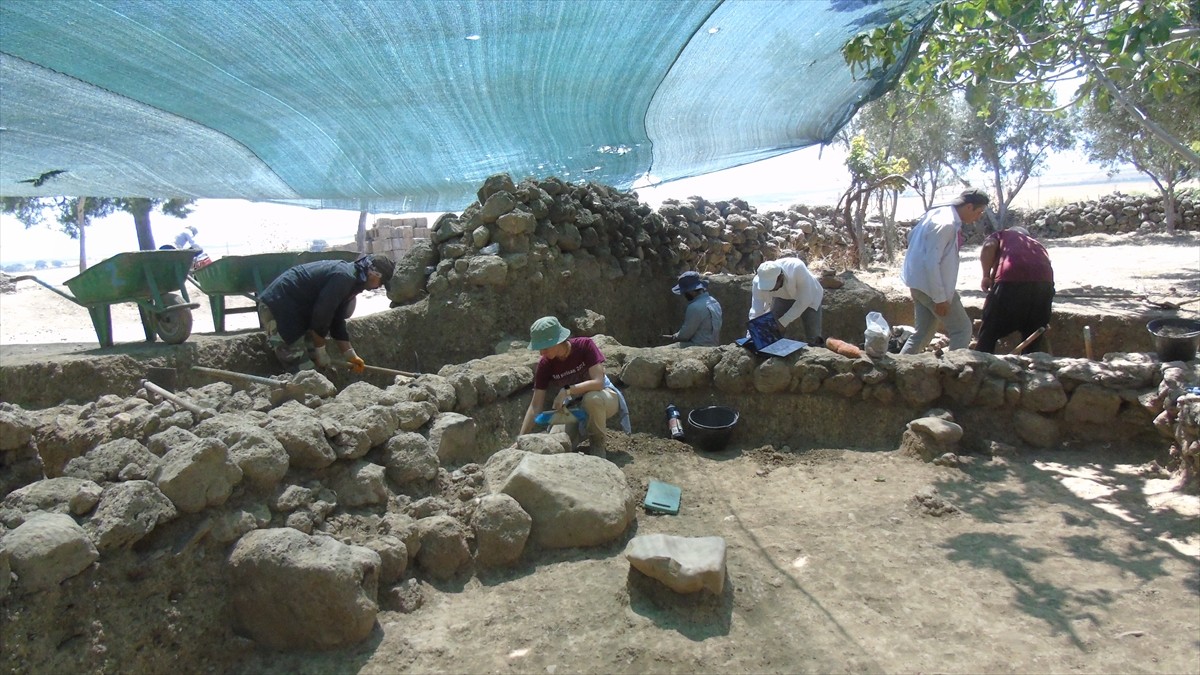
(394,237)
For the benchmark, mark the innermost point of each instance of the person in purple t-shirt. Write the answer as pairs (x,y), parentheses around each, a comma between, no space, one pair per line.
(1019,281)
(575,367)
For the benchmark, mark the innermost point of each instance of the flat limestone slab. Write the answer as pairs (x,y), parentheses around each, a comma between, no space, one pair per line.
(683,564)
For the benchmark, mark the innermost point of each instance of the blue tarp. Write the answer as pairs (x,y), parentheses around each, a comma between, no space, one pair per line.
(407,105)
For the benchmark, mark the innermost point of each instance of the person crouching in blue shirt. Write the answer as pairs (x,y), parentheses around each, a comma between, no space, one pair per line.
(702,318)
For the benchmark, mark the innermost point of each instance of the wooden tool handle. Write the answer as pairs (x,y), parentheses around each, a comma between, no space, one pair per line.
(378,369)
(1029,340)
(197,411)
(231,376)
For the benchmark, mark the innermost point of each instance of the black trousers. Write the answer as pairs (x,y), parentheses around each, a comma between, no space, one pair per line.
(1015,306)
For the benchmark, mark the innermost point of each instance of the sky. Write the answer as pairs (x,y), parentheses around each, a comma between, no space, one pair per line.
(814,176)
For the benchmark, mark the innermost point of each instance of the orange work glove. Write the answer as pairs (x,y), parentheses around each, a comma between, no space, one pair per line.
(356,363)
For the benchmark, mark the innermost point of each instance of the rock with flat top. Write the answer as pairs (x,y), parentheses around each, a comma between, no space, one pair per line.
(295,591)
(574,500)
(683,564)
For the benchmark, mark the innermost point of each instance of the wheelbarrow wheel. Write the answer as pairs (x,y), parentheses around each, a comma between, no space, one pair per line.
(174,325)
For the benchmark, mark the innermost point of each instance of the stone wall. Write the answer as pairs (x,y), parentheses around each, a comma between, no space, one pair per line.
(820,397)
(1112,214)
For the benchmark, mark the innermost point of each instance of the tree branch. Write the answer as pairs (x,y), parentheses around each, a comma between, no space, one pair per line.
(1137,114)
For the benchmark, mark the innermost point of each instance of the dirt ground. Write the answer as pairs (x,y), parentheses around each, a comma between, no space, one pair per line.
(1051,562)
(1100,273)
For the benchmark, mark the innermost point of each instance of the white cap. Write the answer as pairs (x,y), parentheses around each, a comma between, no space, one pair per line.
(768,275)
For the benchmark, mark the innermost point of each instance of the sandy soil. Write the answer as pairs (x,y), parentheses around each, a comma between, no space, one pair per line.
(1054,562)
(1100,272)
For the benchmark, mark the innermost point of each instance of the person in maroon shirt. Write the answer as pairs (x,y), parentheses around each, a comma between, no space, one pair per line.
(1019,281)
(576,367)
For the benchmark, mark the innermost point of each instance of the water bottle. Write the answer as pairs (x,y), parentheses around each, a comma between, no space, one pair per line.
(674,422)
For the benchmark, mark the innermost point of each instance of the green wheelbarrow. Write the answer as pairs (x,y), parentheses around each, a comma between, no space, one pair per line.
(148,278)
(248,275)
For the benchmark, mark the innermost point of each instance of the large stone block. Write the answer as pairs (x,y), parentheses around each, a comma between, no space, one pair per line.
(453,438)
(46,550)
(295,591)
(574,500)
(501,530)
(1092,404)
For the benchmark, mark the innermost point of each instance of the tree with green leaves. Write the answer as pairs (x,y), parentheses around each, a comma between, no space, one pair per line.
(1125,53)
(74,214)
(926,132)
(871,173)
(1012,142)
(1113,138)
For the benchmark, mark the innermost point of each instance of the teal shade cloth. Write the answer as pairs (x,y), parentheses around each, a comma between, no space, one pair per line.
(408,105)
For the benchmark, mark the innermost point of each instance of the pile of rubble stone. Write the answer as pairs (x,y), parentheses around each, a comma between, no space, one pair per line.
(327,498)
(551,222)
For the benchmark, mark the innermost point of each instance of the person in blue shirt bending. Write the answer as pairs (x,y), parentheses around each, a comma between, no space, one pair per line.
(702,318)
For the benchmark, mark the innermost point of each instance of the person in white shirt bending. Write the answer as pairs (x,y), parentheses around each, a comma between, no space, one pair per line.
(787,290)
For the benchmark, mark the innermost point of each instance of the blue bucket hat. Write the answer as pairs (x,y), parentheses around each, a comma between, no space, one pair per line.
(687,282)
(547,332)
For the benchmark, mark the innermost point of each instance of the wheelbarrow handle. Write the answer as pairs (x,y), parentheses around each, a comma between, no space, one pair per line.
(200,413)
(30,277)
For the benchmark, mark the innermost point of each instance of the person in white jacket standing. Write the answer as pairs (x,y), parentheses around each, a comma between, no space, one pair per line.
(789,291)
(931,271)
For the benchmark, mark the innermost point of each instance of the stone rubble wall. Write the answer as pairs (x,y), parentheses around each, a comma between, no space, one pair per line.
(1112,214)
(544,226)
(1034,400)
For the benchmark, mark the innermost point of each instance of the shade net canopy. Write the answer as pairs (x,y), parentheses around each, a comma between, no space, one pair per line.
(408,105)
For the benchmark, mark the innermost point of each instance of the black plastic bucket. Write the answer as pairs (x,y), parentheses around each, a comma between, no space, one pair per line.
(1175,339)
(709,428)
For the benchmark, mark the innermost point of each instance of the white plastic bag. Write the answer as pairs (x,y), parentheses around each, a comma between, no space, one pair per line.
(875,339)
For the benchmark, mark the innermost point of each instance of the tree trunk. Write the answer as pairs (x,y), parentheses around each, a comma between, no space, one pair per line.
(860,228)
(1001,203)
(1169,211)
(80,220)
(140,209)
(890,236)
(361,237)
